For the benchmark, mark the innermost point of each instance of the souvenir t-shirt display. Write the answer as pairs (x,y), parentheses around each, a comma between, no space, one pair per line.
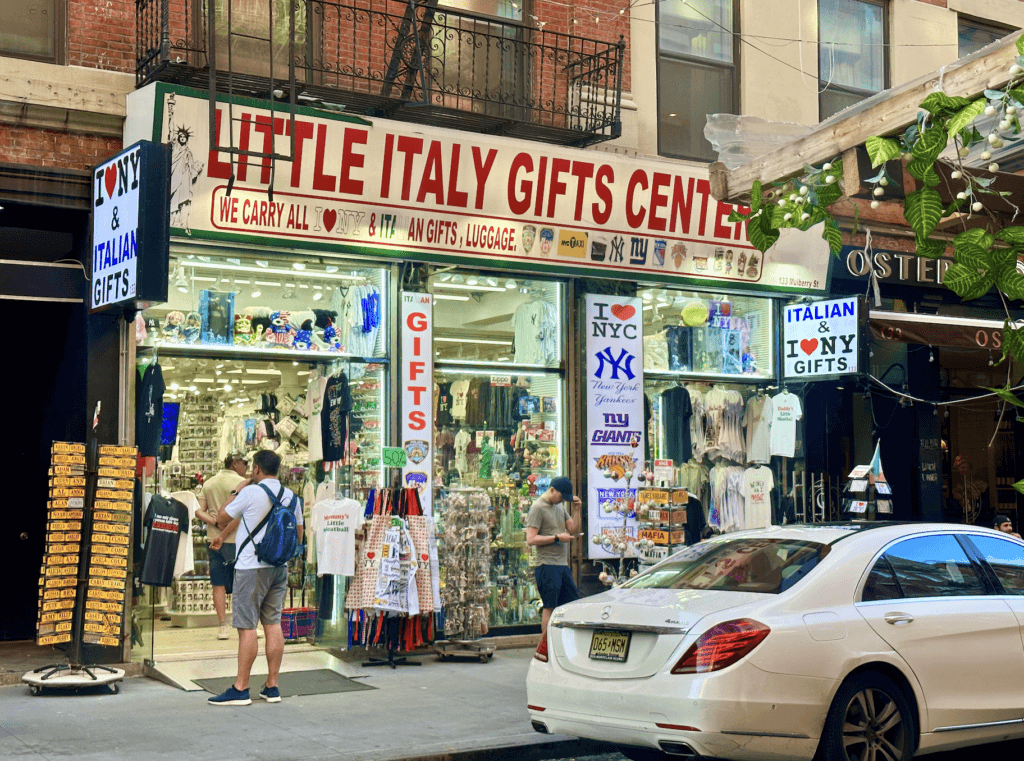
(757,487)
(337,403)
(676,414)
(460,393)
(165,521)
(335,523)
(786,411)
(536,333)
(313,409)
(149,411)
(758,421)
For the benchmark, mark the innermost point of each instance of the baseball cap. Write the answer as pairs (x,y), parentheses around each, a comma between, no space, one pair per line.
(563,486)
(235,456)
(1000,519)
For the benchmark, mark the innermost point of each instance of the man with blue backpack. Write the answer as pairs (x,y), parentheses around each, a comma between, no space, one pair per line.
(269,530)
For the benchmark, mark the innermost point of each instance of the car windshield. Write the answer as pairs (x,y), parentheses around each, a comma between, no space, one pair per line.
(750,564)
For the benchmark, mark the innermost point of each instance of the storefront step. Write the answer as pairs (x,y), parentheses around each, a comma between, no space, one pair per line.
(182,673)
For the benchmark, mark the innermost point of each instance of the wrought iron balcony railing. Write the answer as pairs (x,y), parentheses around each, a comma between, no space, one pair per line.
(410,60)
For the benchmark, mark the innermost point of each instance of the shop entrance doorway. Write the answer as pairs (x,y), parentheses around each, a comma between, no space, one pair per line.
(41,379)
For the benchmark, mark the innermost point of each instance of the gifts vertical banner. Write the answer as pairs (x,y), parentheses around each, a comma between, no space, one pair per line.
(615,412)
(418,394)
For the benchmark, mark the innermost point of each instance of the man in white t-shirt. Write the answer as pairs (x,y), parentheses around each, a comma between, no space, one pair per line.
(259,588)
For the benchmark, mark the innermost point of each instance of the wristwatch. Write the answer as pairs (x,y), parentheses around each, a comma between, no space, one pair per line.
(557,540)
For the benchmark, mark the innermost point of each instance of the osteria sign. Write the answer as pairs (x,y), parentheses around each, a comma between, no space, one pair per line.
(414,191)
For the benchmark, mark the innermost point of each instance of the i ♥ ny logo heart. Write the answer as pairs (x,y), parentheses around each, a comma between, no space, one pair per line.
(330,217)
(623,311)
(110,179)
(809,345)
(371,555)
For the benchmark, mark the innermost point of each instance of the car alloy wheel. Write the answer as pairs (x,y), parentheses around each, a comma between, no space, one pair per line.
(873,728)
(870,720)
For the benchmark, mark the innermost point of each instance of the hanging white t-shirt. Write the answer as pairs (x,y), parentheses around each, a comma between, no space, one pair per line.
(314,406)
(785,412)
(185,561)
(335,523)
(757,488)
(460,395)
(758,421)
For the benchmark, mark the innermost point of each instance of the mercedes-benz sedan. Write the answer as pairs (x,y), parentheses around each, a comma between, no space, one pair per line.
(864,641)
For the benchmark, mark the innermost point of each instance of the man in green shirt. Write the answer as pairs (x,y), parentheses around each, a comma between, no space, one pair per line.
(550,529)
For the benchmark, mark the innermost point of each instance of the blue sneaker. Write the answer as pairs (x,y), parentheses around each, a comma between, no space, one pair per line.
(270,694)
(231,697)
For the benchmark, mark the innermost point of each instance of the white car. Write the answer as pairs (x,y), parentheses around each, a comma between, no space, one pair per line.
(866,641)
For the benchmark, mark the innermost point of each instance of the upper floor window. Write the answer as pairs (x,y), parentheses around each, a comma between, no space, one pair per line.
(852,53)
(697,75)
(32,29)
(974,35)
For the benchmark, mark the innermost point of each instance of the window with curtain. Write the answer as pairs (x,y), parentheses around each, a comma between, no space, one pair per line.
(32,28)
(852,53)
(696,73)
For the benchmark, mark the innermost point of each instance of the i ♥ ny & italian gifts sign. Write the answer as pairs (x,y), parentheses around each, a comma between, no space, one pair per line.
(821,338)
(615,414)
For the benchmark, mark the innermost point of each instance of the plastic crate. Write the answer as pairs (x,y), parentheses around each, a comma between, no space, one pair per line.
(297,623)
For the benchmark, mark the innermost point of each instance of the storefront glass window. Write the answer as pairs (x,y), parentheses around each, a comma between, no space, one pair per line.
(480,320)
(499,420)
(701,335)
(247,351)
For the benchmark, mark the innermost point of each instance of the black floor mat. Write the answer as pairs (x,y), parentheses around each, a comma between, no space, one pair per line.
(291,683)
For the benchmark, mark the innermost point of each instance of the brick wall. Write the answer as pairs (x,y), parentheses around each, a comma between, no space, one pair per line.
(41,147)
(101,34)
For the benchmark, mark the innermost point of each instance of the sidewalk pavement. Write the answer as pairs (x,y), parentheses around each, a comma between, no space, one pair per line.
(451,711)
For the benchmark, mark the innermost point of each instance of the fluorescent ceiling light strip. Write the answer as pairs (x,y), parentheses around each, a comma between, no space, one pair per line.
(249,381)
(290,273)
(463,287)
(450,297)
(265,283)
(204,279)
(506,370)
(203,380)
(472,341)
(257,371)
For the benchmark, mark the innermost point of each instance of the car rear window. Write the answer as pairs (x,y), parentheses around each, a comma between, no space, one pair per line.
(752,564)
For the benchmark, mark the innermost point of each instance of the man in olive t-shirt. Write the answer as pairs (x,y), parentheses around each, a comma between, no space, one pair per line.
(216,492)
(550,529)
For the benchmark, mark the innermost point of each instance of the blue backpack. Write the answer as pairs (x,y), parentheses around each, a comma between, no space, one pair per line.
(281,537)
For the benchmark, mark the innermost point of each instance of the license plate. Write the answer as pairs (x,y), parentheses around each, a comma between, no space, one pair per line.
(609,646)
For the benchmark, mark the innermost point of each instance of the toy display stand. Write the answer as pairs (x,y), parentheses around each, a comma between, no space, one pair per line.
(65,676)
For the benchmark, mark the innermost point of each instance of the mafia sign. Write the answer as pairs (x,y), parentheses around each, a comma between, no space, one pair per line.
(821,338)
(130,227)
(416,191)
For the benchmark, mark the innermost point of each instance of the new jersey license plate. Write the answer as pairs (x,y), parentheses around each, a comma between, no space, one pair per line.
(609,646)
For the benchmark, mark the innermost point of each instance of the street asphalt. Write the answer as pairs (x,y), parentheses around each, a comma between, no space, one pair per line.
(452,711)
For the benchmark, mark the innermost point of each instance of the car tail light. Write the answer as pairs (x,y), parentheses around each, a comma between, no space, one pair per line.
(542,650)
(721,646)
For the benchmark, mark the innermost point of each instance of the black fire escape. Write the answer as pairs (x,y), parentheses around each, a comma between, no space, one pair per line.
(410,60)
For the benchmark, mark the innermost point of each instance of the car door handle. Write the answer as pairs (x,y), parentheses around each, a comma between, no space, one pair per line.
(898,619)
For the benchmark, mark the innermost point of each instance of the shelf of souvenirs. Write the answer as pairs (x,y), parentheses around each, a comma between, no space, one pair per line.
(258,352)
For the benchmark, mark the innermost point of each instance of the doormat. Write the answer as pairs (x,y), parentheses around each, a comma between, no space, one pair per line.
(291,683)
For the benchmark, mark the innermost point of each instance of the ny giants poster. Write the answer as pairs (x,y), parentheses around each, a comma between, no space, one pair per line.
(615,412)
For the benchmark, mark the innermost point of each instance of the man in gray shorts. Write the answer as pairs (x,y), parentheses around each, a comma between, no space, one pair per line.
(259,588)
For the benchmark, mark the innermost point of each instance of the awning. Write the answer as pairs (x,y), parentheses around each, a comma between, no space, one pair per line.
(937,330)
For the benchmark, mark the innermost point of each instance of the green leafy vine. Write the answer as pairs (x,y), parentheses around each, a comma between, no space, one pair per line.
(985,256)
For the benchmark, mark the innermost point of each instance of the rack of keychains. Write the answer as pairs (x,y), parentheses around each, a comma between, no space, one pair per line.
(84,576)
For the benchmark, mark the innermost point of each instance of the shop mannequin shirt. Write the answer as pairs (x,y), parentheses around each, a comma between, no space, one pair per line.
(786,411)
(758,421)
(334,417)
(252,504)
(149,411)
(165,520)
(334,523)
(757,489)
